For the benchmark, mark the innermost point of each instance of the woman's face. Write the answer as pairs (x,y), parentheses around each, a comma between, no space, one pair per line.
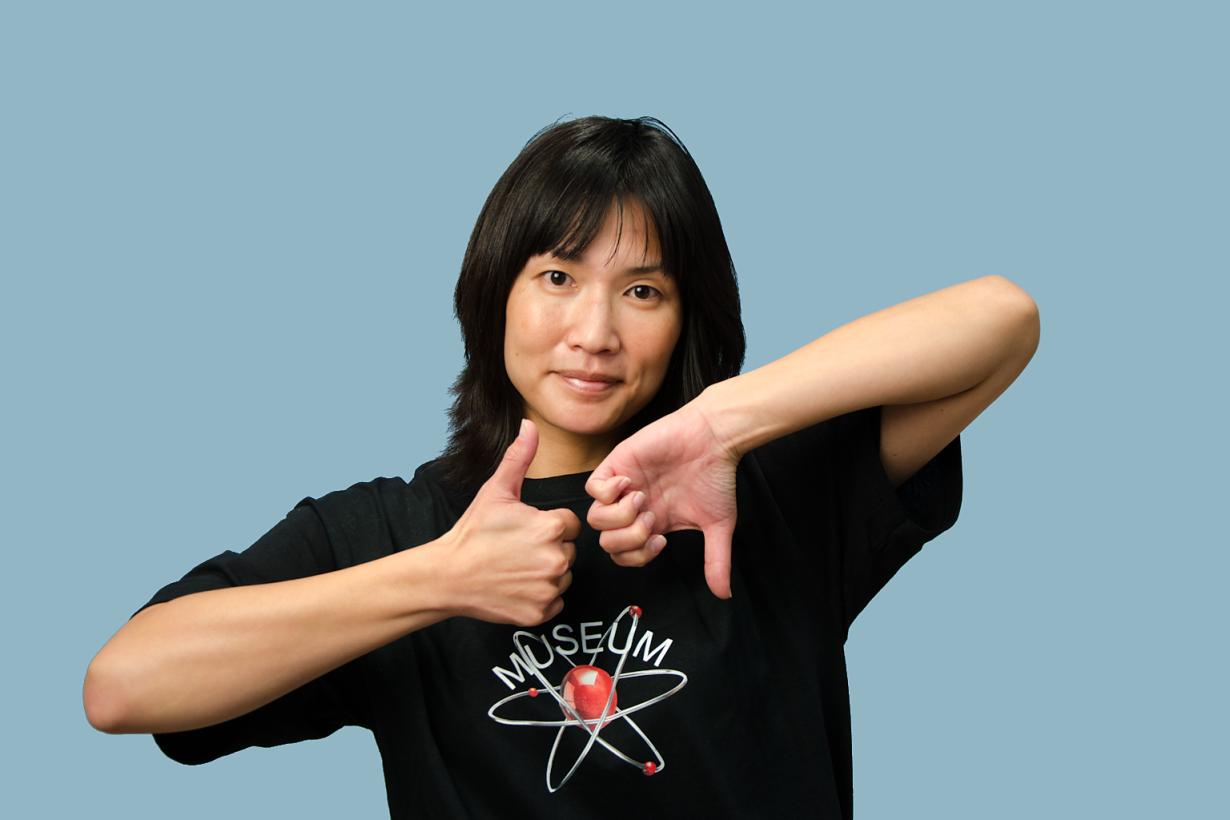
(612,315)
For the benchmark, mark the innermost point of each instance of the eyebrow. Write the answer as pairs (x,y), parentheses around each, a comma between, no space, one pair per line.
(638,270)
(642,269)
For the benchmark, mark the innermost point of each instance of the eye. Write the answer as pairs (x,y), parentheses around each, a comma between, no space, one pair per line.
(644,293)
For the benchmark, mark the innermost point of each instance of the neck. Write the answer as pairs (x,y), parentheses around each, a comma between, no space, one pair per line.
(561,453)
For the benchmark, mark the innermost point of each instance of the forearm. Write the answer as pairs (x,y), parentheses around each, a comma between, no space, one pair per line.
(211,656)
(927,348)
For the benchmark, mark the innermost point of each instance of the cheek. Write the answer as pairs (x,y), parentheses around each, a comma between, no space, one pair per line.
(527,332)
(658,343)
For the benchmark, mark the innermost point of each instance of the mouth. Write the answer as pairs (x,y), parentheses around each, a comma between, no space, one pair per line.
(588,387)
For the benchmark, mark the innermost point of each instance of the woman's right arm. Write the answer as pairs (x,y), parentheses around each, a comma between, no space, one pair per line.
(210,656)
(206,657)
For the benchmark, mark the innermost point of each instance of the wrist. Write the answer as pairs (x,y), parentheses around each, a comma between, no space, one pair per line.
(729,416)
(426,582)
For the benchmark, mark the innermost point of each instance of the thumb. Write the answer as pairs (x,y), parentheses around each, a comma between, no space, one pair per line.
(510,472)
(717,558)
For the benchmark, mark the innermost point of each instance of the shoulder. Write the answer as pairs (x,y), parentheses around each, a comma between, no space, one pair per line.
(371,495)
(368,519)
(392,510)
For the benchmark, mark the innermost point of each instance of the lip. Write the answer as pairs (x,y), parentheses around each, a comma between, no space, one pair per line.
(587,386)
(587,375)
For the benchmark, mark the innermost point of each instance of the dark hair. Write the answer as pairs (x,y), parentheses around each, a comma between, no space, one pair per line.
(554,197)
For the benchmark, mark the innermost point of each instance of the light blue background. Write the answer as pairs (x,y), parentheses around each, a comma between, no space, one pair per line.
(229,234)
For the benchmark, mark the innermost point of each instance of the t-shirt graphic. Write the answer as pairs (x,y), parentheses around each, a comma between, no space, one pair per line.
(758,727)
(586,699)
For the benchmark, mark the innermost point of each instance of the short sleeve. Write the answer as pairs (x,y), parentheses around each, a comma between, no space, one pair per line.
(858,530)
(296,547)
(885,526)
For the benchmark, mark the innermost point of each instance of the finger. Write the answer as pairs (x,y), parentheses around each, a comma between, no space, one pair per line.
(634,536)
(606,489)
(564,582)
(572,524)
(643,555)
(570,552)
(613,516)
(717,558)
(510,472)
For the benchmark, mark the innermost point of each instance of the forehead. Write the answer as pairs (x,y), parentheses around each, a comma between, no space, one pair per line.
(626,239)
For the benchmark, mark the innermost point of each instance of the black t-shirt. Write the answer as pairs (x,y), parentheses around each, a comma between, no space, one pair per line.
(741,705)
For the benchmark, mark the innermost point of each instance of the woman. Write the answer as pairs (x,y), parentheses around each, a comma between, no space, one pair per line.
(525,626)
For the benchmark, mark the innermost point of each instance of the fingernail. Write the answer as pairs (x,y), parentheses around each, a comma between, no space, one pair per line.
(647,517)
(657,543)
(521,432)
(638,499)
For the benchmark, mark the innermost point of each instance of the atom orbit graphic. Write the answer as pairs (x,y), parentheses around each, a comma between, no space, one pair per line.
(580,696)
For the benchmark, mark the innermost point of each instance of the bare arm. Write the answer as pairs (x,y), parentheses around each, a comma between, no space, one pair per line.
(211,656)
(945,355)
(207,657)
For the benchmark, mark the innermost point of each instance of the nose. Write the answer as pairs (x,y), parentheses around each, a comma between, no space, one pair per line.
(592,325)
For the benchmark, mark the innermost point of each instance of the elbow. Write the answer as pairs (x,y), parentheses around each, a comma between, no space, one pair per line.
(1023,312)
(100,696)
(1013,293)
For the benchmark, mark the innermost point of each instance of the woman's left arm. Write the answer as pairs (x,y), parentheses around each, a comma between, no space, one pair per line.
(935,362)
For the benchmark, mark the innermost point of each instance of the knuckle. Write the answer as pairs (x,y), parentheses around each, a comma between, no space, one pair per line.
(638,558)
(553,529)
(547,611)
(536,612)
(548,562)
(615,543)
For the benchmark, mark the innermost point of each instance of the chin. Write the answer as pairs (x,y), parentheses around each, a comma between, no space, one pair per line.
(597,429)
(577,424)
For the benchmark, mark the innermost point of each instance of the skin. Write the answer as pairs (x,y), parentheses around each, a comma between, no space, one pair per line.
(934,363)
(592,314)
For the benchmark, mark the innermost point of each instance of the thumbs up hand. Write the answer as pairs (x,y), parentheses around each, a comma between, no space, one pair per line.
(673,474)
(505,561)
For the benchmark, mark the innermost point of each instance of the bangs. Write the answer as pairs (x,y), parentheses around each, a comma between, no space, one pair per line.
(555,198)
(568,238)
(561,203)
